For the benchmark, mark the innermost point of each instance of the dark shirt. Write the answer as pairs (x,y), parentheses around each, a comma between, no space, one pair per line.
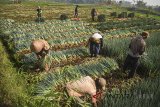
(76,10)
(93,12)
(39,10)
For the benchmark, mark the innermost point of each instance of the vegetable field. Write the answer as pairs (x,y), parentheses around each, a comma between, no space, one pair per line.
(70,60)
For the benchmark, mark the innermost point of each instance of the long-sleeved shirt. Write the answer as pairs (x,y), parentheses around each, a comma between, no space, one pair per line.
(137,46)
(38,45)
(97,38)
(82,86)
(76,10)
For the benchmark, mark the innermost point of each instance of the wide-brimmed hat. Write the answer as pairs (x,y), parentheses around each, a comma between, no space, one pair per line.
(144,33)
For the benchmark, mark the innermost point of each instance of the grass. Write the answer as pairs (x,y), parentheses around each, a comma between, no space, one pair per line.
(27,10)
(12,86)
(149,64)
(144,94)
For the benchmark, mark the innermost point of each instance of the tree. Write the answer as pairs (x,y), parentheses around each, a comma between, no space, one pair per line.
(141,4)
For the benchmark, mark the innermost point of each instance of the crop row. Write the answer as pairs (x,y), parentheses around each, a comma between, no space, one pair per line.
(57,58)
(22,47)
(145,94)
(117,49)
(59,44)
(60,56)
(126,24)
(60,76)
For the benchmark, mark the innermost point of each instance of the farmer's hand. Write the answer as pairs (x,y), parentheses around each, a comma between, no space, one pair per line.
(145,54)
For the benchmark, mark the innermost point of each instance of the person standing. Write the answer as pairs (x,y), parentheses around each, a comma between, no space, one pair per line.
(93,14)
(86,85)
(95,43)
(136,50)
(39,12)
(76,12)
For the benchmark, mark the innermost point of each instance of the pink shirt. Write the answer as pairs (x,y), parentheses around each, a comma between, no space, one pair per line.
(82,86)
(38,45)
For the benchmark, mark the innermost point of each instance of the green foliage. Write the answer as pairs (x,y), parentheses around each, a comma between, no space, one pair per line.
(61,76)
(131,15)
(12,86)
(39,19)
(63,17)
(139,23)
(149,63)
(145,94)
(113,14)
(122,15)
(101,18)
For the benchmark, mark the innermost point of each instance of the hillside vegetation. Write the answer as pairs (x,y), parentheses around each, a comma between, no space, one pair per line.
(22,86)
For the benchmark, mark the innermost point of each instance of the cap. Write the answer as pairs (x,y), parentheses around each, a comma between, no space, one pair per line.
(102,82)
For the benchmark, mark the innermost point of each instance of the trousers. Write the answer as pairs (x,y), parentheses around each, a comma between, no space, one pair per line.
(94,49)
(132,64)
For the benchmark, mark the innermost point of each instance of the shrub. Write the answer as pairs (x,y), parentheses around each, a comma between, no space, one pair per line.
(131,15)
(39,19)
(114,14)
(63,17)
(122,15)
(101,18)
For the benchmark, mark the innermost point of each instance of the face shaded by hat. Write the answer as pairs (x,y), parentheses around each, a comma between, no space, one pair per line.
(102,83)
(145,34)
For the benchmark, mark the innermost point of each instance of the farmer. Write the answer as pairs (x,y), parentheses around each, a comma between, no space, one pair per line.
(41,49)
(76,12)
(93,13)
(39,12)
(136,50)
(95,43)
(86,85)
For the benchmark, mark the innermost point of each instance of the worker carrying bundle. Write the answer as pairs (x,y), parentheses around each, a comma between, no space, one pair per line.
(95,44)
(136,50)
(41,49)
(86,85)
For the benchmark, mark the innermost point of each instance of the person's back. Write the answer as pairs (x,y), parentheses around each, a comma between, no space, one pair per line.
(93,12)
(136,50)
(81,86)
(95,44)
(41,49)
(38,45)
(137,46)
(76,11)
(86,85)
